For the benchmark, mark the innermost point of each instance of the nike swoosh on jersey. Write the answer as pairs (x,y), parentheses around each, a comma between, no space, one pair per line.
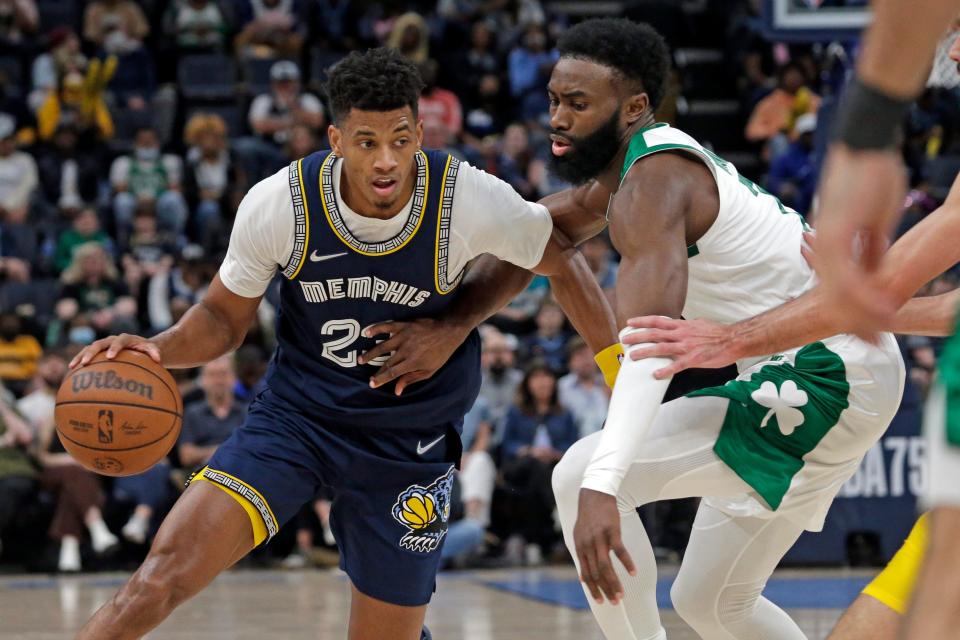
(423,450)
(315,258)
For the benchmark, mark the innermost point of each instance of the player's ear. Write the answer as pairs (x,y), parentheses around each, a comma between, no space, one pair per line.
(419,134)
(635,106)
(335,137)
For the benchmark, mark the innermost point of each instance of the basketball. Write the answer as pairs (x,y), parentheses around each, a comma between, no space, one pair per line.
(119,417)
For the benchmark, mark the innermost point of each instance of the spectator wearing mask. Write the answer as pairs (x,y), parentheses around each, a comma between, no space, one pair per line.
(537,432)
(793,175)
(149,253)
(583,391)
(271,29)
(174,291)
(118,28)
(148,175)
(549,342)
(19,353)
(18,173)
(484,115)
(500,378)
(214,181)
(775,115)
(207,424)
(84,229)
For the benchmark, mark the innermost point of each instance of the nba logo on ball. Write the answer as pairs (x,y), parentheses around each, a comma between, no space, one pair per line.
(424,511)
(105,426)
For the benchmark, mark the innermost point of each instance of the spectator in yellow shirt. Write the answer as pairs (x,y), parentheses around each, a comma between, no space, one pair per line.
(19,354)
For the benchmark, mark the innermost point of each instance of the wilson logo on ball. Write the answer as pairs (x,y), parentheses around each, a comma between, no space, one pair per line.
(84,380)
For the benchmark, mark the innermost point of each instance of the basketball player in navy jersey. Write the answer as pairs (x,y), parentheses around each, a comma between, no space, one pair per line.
(375,229)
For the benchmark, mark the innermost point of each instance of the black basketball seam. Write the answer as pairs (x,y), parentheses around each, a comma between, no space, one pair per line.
(119,404)
(175,394)
(140,446)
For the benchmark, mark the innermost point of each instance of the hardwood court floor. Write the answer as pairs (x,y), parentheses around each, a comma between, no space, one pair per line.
(312,605)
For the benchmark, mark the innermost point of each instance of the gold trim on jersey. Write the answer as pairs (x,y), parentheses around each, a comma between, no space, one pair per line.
(330,208)
(444,214)
(301,213)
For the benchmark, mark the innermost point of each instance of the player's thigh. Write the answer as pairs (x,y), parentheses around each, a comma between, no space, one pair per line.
(373,619)
(206,532)
(867,619)
(724,550)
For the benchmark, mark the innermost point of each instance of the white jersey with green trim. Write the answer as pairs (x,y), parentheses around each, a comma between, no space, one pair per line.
(749,261)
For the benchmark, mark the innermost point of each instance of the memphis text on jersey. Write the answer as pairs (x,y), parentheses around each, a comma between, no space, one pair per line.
(364,288)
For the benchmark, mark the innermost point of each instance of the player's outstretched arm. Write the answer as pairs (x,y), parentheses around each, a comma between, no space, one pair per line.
(579,212)
(864,180)
(923,253)
(214,326)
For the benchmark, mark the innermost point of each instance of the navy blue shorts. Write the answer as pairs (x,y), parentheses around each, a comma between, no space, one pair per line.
(391,490)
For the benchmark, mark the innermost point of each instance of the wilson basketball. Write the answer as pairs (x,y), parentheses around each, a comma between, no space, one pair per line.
(119,417)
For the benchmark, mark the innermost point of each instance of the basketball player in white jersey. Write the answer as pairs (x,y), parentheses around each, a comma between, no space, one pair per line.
(769,450)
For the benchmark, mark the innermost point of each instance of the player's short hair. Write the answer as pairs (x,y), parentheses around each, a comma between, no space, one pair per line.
(634,50)
(378,79)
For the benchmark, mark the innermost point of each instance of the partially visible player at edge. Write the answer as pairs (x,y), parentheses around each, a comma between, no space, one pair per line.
(860,200)
(376,229)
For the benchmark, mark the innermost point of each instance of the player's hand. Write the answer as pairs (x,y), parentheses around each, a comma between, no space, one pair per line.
(595,535)
(114,345)
(691,343)
(419,348)
(861,201)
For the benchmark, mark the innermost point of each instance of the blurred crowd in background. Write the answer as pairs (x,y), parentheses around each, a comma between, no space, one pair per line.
(129,132)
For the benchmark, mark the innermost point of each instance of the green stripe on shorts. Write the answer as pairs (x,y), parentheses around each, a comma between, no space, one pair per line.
(950,379)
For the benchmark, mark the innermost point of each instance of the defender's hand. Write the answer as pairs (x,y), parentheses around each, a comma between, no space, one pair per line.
(691,343)
(114,345)
(861,202)
(595,535)
(416,350)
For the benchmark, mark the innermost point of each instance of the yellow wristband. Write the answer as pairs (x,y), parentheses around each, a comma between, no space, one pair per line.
(609,362)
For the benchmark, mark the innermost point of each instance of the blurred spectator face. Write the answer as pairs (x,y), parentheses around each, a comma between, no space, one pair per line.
(791,79)
(94,265)
(250,366)
(7,146)
(378,149)
(217,378)
(72,88)
(535,39)
(515,140)
(145,223)
(497,354)
(9,326)
(549,320)
(435,135)
(410,40)
(489,86)
(581,362)
(211,143)
(86,223)
(52,369)
(480,36)
(302,142)
(146,145)
(540,384)
(285,81)
(66,140)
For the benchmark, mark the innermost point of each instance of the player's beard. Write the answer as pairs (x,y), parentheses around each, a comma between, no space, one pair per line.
(589,155)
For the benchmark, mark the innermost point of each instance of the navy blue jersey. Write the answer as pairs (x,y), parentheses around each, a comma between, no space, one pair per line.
(335,286)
